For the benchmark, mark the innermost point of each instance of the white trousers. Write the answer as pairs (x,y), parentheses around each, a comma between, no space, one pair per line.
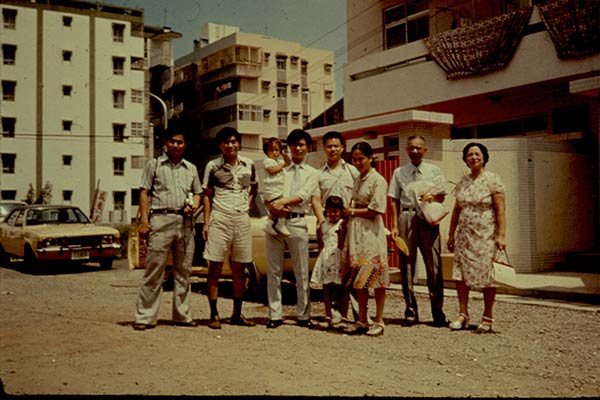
(298,246)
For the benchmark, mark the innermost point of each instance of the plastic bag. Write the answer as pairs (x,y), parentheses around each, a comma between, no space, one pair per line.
(433,212)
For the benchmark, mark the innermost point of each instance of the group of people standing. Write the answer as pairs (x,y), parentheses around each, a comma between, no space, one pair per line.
(349,202)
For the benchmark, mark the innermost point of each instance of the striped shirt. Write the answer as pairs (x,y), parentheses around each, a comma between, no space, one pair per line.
(231,185)
(169,184)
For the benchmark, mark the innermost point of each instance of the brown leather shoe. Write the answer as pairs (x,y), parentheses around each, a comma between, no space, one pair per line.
(240,320)
(214,323)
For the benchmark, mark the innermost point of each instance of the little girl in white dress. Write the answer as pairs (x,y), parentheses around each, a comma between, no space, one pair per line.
(326,274)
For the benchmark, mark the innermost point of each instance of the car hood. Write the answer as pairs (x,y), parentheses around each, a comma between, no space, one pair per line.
(66,230)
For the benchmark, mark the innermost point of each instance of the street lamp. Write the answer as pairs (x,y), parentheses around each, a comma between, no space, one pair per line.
(164,106)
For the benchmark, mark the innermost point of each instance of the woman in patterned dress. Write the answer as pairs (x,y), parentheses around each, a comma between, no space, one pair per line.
(480,223)
(366,241)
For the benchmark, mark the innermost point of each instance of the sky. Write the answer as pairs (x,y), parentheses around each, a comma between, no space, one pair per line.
(319,24)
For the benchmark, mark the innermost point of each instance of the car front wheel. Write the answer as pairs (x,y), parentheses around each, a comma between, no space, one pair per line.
(106,263)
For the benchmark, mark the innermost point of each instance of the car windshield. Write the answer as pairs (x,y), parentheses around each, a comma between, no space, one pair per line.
(6,208)
(56,216)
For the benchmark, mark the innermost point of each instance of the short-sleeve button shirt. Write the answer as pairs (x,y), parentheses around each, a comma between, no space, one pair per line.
(231,185)
(401,185)
(168,183)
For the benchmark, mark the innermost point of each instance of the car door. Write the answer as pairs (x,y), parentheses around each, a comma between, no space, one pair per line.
(12,233)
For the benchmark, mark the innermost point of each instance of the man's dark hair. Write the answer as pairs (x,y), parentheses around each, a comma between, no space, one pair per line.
(175,129)
(298,134)
(225,133)
(334,135)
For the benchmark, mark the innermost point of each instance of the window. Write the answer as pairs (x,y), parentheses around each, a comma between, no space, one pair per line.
(67,89)
(295,87)
(328,94)
(295,116)
(118,99)
(281,91)
(118,33)
(294,60)
(135,197)
(67,21)
(137,96)
(327,67)
(9,52)
(67,160)
(138,162)
(67,55)
(282,119)
(118,65)
(137,63)
(266,57)
(406,23)
(9,195)
(9,16)
(8,126)
(8,163)
(281,63)
(248,112)
(303,68)
(137,129)
(8,90)
(119,200)
(118,166)
(67,125)
(118,132)
(67,195)
(304,97)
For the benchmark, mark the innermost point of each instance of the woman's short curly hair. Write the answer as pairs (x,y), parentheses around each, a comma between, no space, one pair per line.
(484,151)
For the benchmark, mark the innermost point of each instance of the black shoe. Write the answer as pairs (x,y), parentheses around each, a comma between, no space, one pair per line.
(274,323)
(305,323)
(141,327)
(410,321)
(190,324)
(214,322)
(441,323)
(240,320)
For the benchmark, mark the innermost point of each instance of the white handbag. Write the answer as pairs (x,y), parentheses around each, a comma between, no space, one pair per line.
(504,273)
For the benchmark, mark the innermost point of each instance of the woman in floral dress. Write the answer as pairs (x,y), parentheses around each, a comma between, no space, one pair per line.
(366,241)
(480,223)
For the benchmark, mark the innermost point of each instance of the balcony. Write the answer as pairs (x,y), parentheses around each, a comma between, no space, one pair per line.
(407,77)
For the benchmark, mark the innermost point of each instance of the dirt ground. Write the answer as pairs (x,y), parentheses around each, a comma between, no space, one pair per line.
(70,333)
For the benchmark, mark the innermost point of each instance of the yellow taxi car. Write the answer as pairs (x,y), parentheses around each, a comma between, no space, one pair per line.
(56,233)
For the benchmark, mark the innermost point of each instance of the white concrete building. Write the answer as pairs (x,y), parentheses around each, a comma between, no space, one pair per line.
(74,103)
(461,71)
(257,84)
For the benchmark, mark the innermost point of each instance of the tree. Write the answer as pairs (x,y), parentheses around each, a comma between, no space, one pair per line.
(30,195)
(45,196)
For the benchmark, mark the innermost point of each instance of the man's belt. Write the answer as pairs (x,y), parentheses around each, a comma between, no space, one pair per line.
(291,215)
(165,211)
(410,209)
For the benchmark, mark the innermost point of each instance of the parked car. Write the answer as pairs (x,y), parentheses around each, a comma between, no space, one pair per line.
(53,233)
(6,206)
(256,272)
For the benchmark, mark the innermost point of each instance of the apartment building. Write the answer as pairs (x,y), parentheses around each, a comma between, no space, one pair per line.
(75,102)
(520,76)
(257,84)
